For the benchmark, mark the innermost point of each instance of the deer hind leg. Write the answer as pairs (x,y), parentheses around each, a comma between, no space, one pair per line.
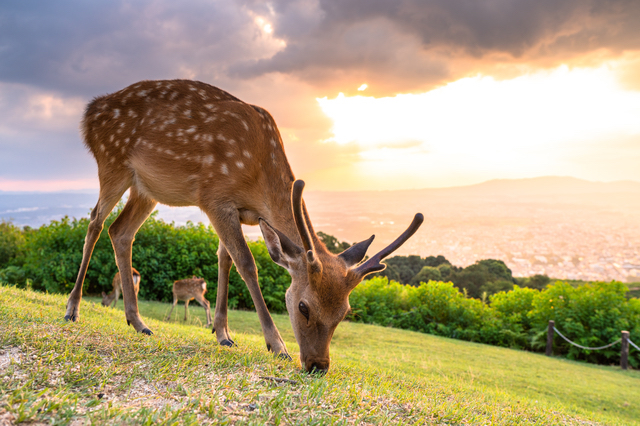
(220,324)
(109,197)
(227,223)
(186,309)
(205,304)
(175,302)
(122,233)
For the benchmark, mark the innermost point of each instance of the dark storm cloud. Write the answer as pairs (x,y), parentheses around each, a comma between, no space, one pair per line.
(330,37)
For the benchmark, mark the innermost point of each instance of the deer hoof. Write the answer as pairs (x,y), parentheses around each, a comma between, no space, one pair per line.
(285,356)
(128,323)
(146,331)
(228,342)
(213,331)
(72,318)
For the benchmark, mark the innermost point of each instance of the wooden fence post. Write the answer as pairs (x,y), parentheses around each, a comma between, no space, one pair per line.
(624,352)
(550,332)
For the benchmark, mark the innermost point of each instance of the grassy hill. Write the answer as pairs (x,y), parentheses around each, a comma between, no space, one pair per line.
(99,371)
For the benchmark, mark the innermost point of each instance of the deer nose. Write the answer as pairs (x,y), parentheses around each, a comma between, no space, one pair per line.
(318,367)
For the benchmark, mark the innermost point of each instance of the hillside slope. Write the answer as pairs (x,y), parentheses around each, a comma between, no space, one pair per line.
(99,370)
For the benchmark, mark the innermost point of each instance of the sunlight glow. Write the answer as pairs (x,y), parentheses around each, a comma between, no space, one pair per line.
(363,87)
(533,122)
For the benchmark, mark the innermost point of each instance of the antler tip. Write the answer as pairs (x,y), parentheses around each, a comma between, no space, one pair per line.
(419,217)
(299,185)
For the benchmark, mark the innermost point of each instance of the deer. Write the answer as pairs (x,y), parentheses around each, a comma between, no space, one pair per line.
(187,290)
(188,143)
(114,295)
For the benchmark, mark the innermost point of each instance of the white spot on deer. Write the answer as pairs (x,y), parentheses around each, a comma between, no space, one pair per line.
(116,113)
(197,137)
(96,115)
(240,164)
(191,129)
(164,92)
(132,113)
(169,152)
(273,142)
(112,160)
(117,143)
(143,93)
(224,169)
(169,134)
(210,119)
(111,138)
(170,121)
(210,175)
(208,159)
(209,106)
(122,124)
(126,140)
(193,88)
(232,141)
(246,126)
(221,137)
(102,148)
(104,122)
(246,153)
(230,154)
(122,150)
(173,95)
(273,158)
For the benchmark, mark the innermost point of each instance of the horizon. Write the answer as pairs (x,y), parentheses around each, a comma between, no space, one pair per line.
(95,190)
(384,96)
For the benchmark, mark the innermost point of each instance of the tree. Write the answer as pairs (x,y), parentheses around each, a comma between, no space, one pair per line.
(426,274)
(332,243)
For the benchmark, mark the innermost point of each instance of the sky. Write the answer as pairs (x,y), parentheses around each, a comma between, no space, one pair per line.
(367,94)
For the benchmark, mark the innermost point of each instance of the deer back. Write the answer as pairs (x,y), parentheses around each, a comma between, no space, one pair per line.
(176,140)
(189,288)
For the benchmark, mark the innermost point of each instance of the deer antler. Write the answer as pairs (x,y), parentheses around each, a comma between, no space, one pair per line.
(373,264)
(303,229)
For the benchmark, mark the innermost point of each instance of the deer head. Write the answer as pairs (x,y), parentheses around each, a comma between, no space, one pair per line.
(318,298)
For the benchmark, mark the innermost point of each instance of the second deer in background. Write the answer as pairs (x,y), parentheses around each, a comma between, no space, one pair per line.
(187,290)
(108,299)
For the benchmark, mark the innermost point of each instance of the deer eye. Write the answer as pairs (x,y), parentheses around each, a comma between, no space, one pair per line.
(304,310)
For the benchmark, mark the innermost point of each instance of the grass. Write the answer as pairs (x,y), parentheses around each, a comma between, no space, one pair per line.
(98,371)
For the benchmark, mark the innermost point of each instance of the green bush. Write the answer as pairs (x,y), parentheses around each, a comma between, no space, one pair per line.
(591,315)
(162,253)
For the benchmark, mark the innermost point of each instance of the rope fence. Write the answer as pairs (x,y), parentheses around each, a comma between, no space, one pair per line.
(624,344)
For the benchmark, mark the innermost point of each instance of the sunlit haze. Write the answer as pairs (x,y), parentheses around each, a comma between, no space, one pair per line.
(477,128)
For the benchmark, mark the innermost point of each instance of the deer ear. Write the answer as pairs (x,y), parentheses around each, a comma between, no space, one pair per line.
(280,247)
(104,294)
(354,254)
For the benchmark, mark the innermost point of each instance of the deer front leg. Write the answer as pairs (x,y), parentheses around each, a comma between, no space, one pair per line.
(175,302)
(106,202)
(220,324)
(122,233)
(227,223)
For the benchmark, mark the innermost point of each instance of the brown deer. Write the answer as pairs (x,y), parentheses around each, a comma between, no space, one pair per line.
(113,297)
(187,290)
(186,143)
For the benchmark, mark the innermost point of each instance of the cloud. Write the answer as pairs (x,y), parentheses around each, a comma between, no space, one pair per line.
(408,45)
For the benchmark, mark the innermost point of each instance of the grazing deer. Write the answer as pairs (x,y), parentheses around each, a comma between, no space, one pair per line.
(187,290)
(186,143)
(113,297)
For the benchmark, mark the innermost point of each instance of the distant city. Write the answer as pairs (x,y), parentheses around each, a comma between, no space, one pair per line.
(561,227)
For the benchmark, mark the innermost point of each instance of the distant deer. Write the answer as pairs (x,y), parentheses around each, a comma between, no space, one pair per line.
(187,290)
(114,295)
(186,143)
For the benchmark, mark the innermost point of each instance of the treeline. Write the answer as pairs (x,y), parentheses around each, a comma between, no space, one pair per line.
(481,303)
(480,280)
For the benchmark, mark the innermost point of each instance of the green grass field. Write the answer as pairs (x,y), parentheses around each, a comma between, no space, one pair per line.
(99,371)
